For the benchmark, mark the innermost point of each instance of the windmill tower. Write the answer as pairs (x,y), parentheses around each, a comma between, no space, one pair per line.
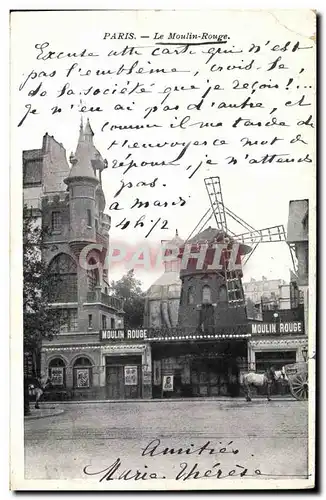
(212,294)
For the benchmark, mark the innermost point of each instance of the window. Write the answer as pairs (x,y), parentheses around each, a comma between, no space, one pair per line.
(106,290)
(63,278)
(223,294)
(112,323)
(89,217)
(277,359)
(92,275)
(32,173)
(96,225)
(68,320)
(57,372)
(56,221)
(90,321)
(206,296)
(191,297)
(103,322)
(82,373)
(234,289)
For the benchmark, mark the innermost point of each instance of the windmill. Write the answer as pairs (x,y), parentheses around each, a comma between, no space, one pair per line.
(251,237)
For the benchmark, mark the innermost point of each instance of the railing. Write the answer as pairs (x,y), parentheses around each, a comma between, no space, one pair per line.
(98,296)
(193,333)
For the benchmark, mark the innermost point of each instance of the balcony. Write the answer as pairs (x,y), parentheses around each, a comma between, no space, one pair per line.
(96,296)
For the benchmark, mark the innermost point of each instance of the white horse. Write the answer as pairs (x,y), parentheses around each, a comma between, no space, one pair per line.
(252,379)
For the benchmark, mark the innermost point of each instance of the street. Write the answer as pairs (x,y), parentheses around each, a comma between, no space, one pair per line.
(140,441)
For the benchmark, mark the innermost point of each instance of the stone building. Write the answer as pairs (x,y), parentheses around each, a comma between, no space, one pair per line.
(163,297)
(82,361)
(268,291)
(282,336)
(298,239)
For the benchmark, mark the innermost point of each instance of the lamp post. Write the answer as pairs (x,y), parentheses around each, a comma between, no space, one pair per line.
(304,351)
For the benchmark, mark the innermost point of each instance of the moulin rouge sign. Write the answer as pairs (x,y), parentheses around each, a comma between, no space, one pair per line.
(287,328)
(120,334)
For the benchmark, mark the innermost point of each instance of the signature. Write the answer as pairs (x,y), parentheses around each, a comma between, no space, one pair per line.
(116,471)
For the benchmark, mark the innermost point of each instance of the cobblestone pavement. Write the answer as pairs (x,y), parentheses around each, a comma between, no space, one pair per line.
(271,438)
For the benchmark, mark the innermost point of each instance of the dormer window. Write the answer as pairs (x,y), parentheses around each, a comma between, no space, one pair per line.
(206,297)
(89,218)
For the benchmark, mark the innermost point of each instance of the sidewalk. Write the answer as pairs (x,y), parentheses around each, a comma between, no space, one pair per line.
(176,400)
(48,410)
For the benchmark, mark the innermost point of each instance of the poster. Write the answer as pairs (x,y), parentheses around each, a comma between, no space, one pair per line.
(56,375)
(82,377)
(131,375)
(168,383)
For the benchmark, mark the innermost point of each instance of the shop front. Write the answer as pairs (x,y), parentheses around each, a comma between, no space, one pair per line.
(110,364)
(126,361)
(276,345)
(195,368)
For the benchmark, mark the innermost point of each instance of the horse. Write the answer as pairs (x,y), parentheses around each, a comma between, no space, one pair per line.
(266,379)
(39,385)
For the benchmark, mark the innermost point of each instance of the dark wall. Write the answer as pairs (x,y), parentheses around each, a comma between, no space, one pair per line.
(214,314)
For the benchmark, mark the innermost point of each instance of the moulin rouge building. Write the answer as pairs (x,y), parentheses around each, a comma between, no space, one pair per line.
(195,332)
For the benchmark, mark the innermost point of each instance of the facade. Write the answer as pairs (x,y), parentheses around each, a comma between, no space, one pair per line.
(206,352)
(282,335)
(70,204)
(298,239)
(264,289)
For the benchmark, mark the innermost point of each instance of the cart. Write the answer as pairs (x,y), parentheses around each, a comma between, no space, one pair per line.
(297,375)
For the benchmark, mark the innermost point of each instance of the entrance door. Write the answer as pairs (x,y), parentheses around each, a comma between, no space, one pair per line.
(114,382)
(210,377)
(123,377)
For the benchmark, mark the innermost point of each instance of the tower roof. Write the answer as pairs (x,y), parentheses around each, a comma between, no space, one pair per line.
(86,157)
(213,235)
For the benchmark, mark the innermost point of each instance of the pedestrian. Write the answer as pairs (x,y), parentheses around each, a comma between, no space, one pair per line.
(41,383)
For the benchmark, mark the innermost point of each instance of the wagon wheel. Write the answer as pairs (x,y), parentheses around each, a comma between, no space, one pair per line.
(299,386)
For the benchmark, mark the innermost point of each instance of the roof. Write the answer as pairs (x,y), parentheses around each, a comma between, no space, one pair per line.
(297,229)
(87,157)
(32,154)
(214,235)
(168,285)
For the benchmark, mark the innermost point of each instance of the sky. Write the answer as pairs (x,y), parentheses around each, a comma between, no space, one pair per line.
(259,194)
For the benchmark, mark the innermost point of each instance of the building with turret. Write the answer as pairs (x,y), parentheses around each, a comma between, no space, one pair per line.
(82,360)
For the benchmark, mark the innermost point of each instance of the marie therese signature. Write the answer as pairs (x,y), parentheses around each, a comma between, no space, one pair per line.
(118,471)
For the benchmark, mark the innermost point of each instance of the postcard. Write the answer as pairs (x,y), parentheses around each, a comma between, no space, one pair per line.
(163,249)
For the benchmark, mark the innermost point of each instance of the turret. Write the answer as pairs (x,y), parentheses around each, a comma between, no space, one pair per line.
(82,184)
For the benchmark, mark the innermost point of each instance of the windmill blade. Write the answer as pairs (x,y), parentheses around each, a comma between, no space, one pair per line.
(214,191)
(247,257)
(266,235)
(238,219)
